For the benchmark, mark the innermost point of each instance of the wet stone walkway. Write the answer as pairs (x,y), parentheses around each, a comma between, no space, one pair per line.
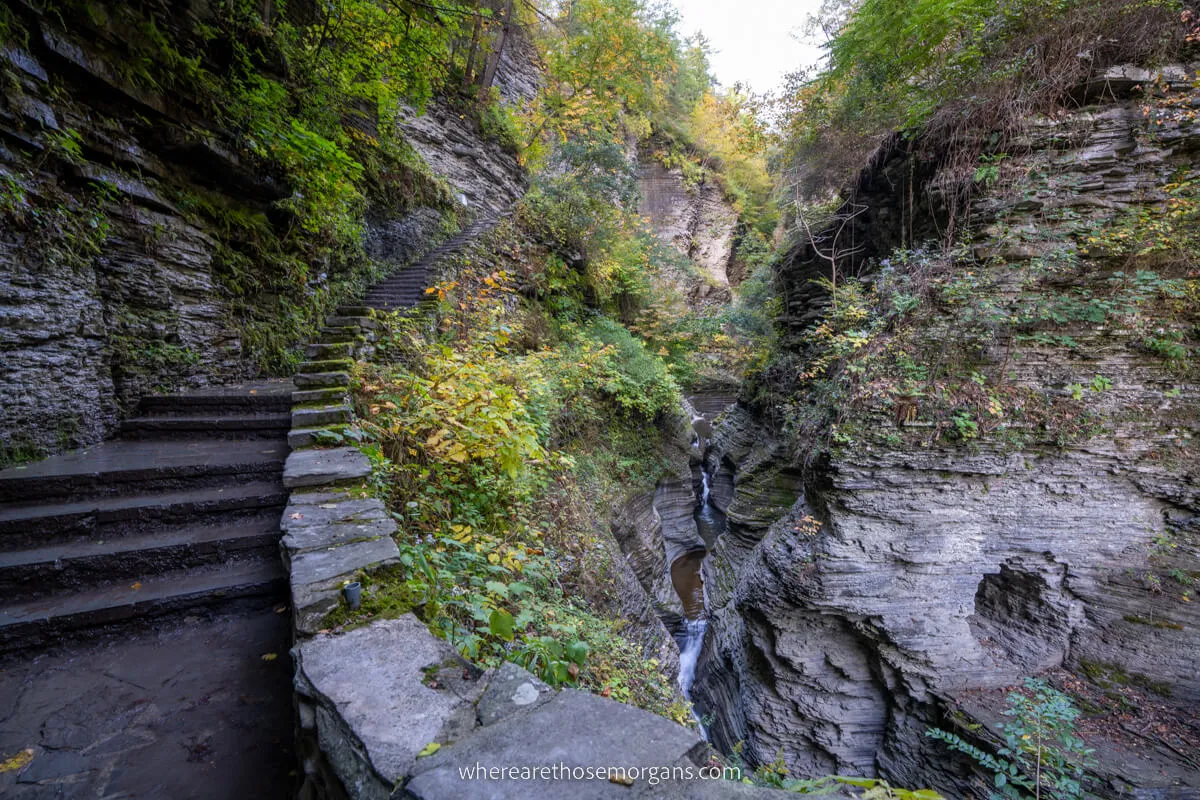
(187,711)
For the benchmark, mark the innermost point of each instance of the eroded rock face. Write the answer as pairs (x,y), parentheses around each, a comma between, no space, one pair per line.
(697,221)
(84,334)
(938,570)
(487,176)
(108,296)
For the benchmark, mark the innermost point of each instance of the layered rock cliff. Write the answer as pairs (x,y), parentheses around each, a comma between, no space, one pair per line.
(697,221)
(135,222)
(929,561)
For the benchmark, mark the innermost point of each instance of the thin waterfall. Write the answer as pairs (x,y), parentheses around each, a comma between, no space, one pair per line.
(686,571)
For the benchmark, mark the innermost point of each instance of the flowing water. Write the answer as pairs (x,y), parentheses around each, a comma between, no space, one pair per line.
(686,571)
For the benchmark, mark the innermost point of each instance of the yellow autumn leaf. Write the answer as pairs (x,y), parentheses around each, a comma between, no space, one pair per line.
(19,761)
(429,749)
(269,656)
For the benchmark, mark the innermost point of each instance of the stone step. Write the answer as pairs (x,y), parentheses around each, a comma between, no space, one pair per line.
(392,288)
(404,282)
(331,350)
(396,294)
(39,622)
(396,297)
(71,566)
(324,365)
(242,398)
(24,527)
(408,276)
(391,305)
(362,322)
(313,435)
(219,426)
(354,311)
(321,380)
(351,336)
(322,415)
(122,466)
(333,394)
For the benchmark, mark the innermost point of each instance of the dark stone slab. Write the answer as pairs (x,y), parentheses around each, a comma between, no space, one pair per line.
(324,415)
(321,380)
(325,467)
(317,576)
(511,690)
(333,394)
(336,563)
(330,351)
(326,365)
(574,730)
(374,710)
(331,520)
(187,709)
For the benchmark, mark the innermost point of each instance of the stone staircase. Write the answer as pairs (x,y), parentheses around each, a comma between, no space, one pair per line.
(181,511)
(322,399)
(406,288)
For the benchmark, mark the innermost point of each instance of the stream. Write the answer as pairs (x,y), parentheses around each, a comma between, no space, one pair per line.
(686,571)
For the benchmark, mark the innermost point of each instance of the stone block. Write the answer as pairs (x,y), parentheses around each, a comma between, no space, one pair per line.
(321,380)
(322,415)
(325,467)
(333,520)
(511,690)
(573,730)
(375,712)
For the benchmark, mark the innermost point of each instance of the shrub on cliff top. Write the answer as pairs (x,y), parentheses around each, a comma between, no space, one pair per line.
(963,72)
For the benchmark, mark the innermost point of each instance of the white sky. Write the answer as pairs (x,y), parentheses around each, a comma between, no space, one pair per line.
(754,41)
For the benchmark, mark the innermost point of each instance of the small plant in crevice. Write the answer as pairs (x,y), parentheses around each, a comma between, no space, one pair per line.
(1041,755)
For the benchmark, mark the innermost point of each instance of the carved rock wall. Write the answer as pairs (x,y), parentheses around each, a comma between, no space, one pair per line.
(697,221)
(941,572)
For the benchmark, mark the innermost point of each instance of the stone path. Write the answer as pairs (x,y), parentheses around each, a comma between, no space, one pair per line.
(182,511)
(406,288)
(189,711)
(140,587)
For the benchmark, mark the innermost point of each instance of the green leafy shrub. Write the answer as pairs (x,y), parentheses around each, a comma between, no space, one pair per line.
(468,424)
(960,74)
(634,378)
(1041,755)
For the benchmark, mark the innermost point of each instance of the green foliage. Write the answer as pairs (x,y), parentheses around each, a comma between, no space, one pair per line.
(62,229)
(501,123)
(988,172)
(468,427)
(604,61)
(756,305)
(912,343)
(1041,755)
(728,132)
(19,451)
(965,428)
(65,144)
(636,380)
(959,73)
(580,210)
(299,89)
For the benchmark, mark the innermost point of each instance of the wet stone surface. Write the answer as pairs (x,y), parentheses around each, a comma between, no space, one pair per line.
(189,712)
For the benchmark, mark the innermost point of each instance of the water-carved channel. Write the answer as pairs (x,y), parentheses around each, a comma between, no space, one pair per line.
(687,570)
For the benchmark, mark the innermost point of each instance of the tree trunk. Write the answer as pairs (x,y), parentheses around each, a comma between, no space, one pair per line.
(489,72)
(470,67)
